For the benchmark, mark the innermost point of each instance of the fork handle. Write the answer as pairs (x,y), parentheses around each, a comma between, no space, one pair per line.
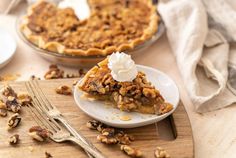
(75,133)
(86,147)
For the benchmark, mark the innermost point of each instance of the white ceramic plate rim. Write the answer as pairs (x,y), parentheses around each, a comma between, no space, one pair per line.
(127,124)
(9,47)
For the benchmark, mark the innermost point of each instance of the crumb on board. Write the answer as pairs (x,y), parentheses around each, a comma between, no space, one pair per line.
(9,77)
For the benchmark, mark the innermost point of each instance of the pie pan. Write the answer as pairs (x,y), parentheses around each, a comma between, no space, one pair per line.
(81,61)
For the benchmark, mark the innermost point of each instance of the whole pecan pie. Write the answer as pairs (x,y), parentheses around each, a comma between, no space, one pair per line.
(138,95)
(113,25)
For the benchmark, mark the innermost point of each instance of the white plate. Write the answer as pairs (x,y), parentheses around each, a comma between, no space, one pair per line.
(111,116)
(7,47)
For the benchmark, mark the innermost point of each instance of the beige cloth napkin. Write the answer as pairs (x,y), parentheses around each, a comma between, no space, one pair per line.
(198,32)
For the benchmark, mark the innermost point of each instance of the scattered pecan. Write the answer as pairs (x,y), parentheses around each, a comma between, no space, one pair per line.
(123,138)
(161,153)
(94,124)
(3,112)
(14,121)
(38,133)
(14,139)
(132,152)
(8,91)
(107,136)
(24,98)
(64,90)
(12,104)
(54,73)
(48,155)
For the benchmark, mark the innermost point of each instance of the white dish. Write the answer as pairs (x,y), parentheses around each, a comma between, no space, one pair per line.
(111,116)
(7,47)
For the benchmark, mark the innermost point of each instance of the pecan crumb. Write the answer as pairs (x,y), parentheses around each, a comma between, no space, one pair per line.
(14,121)
(38,133)
(48,155)
(161,153)
(2,105)
(3,112)
(132,152)
(54,73)
(64,90)
(14,139)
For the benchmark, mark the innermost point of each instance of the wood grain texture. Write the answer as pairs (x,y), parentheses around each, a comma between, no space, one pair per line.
(147,138)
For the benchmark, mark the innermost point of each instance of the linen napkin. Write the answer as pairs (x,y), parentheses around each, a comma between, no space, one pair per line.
(199,32)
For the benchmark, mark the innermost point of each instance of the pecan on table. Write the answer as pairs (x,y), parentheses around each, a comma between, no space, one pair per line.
(161,153)
(14,139)
(64,90)
(14,121)
(38,133)
(132,152)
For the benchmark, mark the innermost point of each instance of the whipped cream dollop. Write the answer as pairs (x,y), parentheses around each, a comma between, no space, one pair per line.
(80,7)
(122,67)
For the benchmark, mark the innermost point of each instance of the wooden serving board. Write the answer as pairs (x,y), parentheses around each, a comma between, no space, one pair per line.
(173,134)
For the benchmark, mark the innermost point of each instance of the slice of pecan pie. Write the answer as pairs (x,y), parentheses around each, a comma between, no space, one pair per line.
(138,95)
(113,25)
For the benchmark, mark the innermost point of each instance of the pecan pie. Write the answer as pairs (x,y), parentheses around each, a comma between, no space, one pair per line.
(113,25)
(138,95)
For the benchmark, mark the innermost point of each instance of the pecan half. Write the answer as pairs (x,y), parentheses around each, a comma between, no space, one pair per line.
(54,73)
(107,136)
(8,91)
(94,124)
(38,133)
(64,90)
(12,104)
(14,121)
(123,138)
(24,98)
(161,153)
(14,139)
(132,152)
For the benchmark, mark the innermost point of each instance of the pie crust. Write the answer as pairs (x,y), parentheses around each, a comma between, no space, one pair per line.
(117,25)
(138,95)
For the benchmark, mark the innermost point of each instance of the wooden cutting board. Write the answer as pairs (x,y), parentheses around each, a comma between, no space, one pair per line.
(173,134)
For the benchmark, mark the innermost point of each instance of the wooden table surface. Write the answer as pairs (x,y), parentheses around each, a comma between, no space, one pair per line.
(214,132)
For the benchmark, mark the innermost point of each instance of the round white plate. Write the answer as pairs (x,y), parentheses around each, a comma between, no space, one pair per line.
(7,47)
(111,116)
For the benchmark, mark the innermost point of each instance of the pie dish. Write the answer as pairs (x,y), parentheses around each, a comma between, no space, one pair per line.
(138,95)
(112,26)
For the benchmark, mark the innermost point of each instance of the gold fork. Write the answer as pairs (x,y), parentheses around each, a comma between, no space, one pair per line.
(59,134)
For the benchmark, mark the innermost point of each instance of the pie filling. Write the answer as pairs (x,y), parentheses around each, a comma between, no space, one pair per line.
(138,95)
(112,26)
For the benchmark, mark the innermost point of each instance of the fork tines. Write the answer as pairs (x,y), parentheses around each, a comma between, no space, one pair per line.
(39,114)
